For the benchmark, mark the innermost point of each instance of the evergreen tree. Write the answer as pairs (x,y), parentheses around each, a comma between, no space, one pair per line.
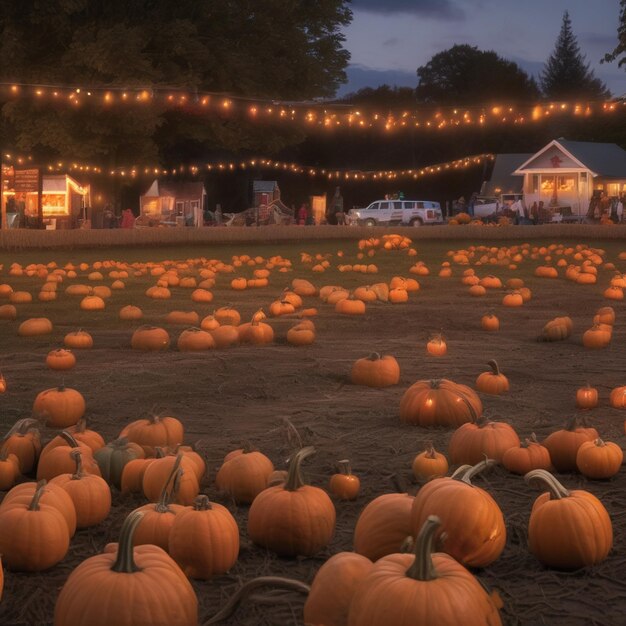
(565,75)
(619,52)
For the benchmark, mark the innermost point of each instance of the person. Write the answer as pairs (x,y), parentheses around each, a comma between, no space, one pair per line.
(337,208)
(218,215)
(534,213)
(605,205)
(619,209)
(108,217)
(614,201)
(460,205)
(128,219)
(516,209)
(472,202)
(302,215)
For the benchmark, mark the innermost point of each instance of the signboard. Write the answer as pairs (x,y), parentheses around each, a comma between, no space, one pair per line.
(26,180)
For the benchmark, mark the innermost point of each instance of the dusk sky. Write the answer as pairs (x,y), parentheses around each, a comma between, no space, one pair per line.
(390,39)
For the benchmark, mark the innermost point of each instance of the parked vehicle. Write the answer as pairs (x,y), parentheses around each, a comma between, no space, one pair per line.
(397,213)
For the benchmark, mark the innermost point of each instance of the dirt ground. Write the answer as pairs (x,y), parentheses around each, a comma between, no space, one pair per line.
(246,393)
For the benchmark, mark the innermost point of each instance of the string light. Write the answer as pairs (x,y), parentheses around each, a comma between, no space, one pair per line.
(134,171)
(324,115)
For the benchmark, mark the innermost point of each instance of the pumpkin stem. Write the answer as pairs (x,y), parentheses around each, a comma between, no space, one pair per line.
(599,442)
(244,591)
(159,453)
(125,560)
(430,450)
(556,489)
(344,467)
(174,478)
(469,473)
(202,503)
(531,439)
(435,383)
(79,473)
(80,426)
(39,491)
(21,427)
(493,364)
(460,470)
(423,568)
(294,478)
(374,356)
(68,437)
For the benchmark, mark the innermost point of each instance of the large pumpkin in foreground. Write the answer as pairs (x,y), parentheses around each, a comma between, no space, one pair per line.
(146,585)
(421,590)
(439,402)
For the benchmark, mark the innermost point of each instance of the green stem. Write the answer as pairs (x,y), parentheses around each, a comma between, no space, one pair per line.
(423,568)
(556,489)
(493,364)
(125,560)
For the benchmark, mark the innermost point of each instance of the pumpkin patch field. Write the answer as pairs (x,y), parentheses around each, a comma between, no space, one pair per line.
(348,432)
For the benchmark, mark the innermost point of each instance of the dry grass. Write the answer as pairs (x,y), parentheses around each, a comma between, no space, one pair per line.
(19,239)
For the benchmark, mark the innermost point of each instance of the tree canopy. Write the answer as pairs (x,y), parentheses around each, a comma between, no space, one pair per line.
(384,96)
(283,49)
(566,75)
(465,75)
(619,52)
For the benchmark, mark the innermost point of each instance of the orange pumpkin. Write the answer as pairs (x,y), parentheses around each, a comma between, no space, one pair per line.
(149,338)
(144,580)
(437,346)
(154,431)
(293,518)
(563,444)
(424,588)
(244,474)
(24,441)
(375,371)
(529,456)
(60,406)
(481,438)
(429,464)
(60,359)
(599,459)
(586,397)
(470,517)
(567,529)
(494,382)
(345,485)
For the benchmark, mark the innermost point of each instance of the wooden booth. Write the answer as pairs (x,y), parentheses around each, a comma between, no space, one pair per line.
(172,204)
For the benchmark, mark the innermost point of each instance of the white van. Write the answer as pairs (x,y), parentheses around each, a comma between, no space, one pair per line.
(397,213)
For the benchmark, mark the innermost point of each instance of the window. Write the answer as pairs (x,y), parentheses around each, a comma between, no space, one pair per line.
(385,205)
(566,183)
(534,183)
(180,207)
(410,205)
(396,206)
(419,205)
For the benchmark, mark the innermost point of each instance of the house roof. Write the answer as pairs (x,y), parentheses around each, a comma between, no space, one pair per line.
(264,186)
(602,159)
(502,177)
(179,190)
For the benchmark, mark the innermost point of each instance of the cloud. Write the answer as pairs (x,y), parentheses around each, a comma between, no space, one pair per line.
(436,9)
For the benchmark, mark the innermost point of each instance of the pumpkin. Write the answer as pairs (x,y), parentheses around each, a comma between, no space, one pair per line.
(244,474)
(303,287)
(34,327)
(586,397)
(617,398)
(154,431)
(437,346)
(429,464)
(130,313)
(184,318)
(204,540)
(225,336)
(557,329)
(605,315)
(58,459)
(90,494)
(567,529)
(375,371)
(527,456)
(294,518)
(597,337)
(383,525)
(228,316)
(256,332)
(301,334)
(350,306)
(439,402)
(493,382)
(8,312)
(132,474)
(599,459)
(194,340)
(472,442)
(563,444)
(470,518)
(424,588)
(333,587)
(81,433)
(60,407)
(490,322)
(196,460)
(158,518)
(345,485)
(159,474)
(149,588)
(24,441)
(9,469)
(78,340)
(33,535)
(60,359)
(150,338)
(513,299)
(113,457)
(92,303)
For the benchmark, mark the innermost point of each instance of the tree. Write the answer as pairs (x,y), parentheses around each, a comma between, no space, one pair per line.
(276,49)
(565,75)
(384,96)
(465,75)
(619,52)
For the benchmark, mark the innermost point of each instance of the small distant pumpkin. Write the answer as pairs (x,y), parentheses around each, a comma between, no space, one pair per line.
(493,382)
(437,346)
(429,464)
(345,485)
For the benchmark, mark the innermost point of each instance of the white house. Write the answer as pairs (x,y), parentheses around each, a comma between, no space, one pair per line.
(564,174)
